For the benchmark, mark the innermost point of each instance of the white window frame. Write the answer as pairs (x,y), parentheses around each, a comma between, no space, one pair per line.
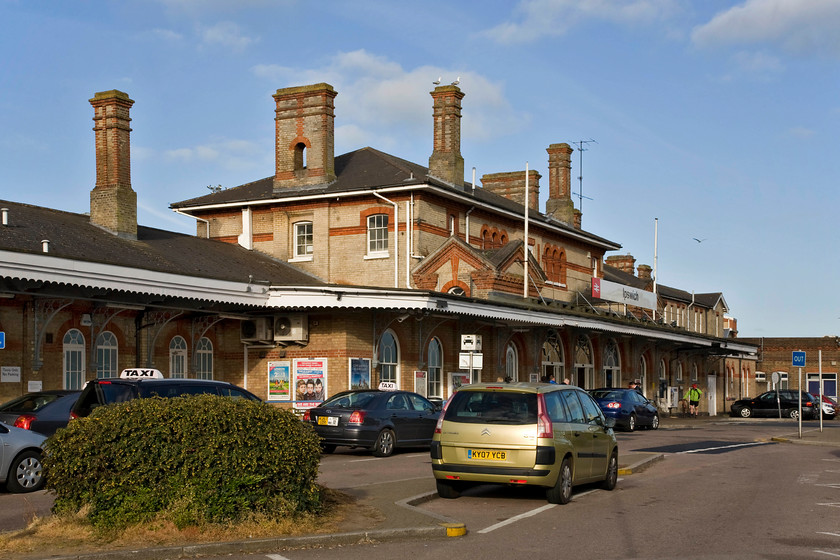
(303,231)
(107,352)
(435,368)
(204,359)
(73,350)
(388,357)
(178,357)
(377,236)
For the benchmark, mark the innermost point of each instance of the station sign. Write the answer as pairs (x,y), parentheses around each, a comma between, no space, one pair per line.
(619,293)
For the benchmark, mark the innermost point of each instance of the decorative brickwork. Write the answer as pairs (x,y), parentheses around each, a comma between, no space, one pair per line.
(511,185)
(446,162)
(113,203)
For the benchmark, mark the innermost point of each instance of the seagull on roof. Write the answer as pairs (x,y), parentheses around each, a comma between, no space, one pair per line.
(436,82)
(457,81)
(699,240)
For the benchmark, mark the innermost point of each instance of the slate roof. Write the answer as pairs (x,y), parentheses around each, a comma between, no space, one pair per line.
(368,168)
(72,236)
(708,300)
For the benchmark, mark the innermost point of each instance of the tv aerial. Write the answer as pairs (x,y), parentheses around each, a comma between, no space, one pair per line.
(581,147)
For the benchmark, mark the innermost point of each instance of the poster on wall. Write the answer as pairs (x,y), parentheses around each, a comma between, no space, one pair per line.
(310,381)
(359,373)
(279,381)
(420,383)
(457,379)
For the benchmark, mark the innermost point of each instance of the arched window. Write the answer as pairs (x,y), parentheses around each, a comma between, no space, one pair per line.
(178,357)
(584,366)
(553,362)
(663,379)
(694,375)
(388,357)
(511,362)
(435,369)
(679,373)
(300,156)
(204,359)
(612,365)
(106,355)
(74,359)
(642,379)
(452,223)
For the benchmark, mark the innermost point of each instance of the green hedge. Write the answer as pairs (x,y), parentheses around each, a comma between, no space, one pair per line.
(190,459)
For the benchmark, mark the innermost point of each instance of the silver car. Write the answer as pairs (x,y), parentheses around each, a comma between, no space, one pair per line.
(20,459)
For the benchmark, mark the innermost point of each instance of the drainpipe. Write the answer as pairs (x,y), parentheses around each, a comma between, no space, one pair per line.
(396,238)
(407,244)
(526,252)
(207,229)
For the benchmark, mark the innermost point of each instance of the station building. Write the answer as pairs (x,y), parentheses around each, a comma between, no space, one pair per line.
(347,271)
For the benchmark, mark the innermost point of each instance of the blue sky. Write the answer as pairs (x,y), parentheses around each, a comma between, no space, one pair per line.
(718,117)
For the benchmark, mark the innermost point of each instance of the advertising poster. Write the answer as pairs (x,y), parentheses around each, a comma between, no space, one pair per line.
(457,379)
(310,382)
(359,373)
(279,381)
(420,384)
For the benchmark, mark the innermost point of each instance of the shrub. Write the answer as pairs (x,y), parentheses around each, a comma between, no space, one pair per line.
(192,460)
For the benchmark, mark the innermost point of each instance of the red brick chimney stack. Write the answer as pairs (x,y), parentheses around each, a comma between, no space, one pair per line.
(624,263)
(559,203)
(304,136)
(113,203)
(511,185)
(446,162)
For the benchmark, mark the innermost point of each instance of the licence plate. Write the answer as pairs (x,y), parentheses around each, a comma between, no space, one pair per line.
(486,454)
(328,420)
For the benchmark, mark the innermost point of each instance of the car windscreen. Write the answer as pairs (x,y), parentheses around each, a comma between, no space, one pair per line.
(608,395)
(492,407)
(350,400)
(29,403)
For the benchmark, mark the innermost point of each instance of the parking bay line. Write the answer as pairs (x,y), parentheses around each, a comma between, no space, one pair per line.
(531,513)
(724,447)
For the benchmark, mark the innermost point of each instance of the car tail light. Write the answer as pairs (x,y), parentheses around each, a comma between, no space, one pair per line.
(24,421)
(614,405)
(439,424)
(544,427)
(517,481)
(307,417)
(357,417)
(809,404)
(73,416)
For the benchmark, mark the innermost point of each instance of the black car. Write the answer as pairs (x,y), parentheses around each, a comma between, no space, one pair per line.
(42,411)
(137,383)
(766,405)
(378,420)
(628,406)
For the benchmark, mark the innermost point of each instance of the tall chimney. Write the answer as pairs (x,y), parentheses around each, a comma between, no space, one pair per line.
(559,203)
(113,203)
(511,185)
(304,142)
(624,263)
(446,162)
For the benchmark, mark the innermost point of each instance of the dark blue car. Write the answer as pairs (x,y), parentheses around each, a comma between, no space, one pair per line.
(629,407)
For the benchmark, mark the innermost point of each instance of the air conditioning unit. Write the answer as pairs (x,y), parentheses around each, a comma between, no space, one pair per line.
(289,328)
(255,330)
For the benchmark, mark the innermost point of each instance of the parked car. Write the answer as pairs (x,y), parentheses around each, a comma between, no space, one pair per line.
(378,420)
(537,434)
(766,405)
(628,406)
(829,406)
(43,411)
(140,383)
(20,459)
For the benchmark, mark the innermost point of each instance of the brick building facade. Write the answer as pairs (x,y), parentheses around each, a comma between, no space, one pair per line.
(362,266)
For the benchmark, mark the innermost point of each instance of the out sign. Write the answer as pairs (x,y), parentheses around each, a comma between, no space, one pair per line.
(799,359)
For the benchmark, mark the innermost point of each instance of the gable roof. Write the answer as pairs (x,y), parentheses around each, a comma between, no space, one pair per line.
(370,169)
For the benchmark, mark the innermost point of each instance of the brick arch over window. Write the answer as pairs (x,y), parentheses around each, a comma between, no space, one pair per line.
(493,238)
(454,284)
(554,264)
(298,147)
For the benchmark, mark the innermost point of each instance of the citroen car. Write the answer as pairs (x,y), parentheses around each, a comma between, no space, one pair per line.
(523,434)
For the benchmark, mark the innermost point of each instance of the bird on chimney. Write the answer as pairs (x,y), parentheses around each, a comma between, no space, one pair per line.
(437,82)
(457,81)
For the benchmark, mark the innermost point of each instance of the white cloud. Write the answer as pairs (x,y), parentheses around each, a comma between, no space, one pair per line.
(801,132)
(226,34)
(166,35)
(759,64)
(540,18)
(228,154)
(797,26)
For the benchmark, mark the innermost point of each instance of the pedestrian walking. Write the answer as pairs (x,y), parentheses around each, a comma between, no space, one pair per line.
(693,395)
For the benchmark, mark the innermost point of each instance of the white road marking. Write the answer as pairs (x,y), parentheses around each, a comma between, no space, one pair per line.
(827,553)
(516,518)
(830,504)
(275,557)
(724,447)
(392,457)
(829,534)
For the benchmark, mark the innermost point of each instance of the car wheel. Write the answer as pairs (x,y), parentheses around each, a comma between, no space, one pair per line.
(793,413)
(384,445)
(447,490)
(612,472)
(654,424)
(745,412)
(631,423)
(561,492)
(26,473)
(327,448)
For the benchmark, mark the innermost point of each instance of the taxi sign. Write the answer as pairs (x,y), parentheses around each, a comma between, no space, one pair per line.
(387,386)
(140,373)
